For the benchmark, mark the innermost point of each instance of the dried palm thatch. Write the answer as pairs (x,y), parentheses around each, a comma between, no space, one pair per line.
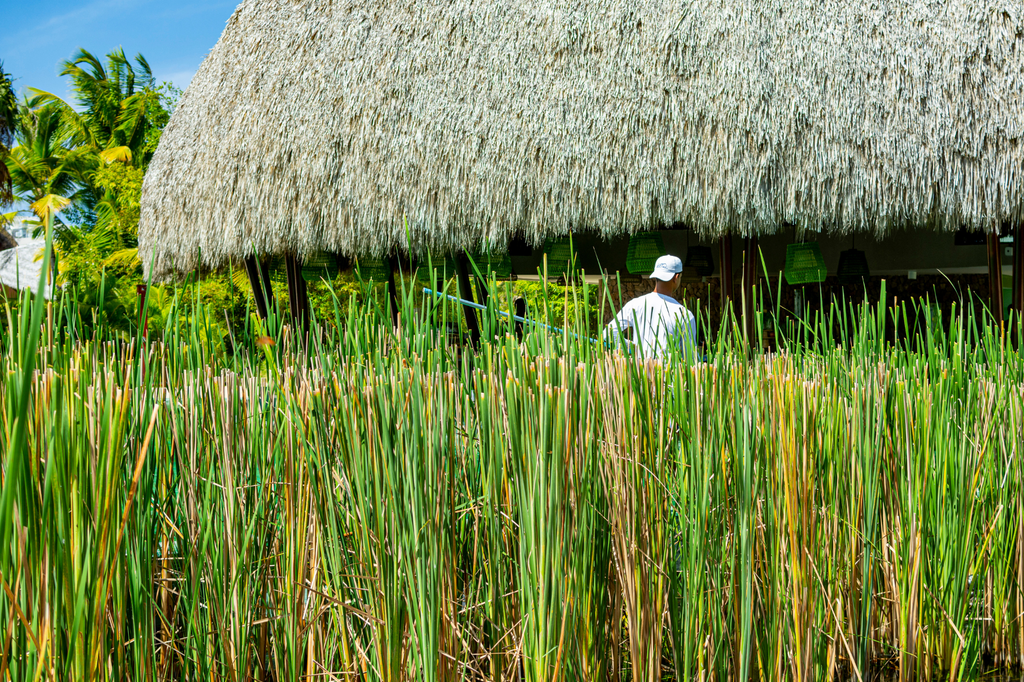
(21,266)
(357,127)
(6,240)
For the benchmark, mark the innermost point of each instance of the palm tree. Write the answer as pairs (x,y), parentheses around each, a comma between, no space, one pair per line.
(121,108)
(8,126)
(43,164)
(66,156)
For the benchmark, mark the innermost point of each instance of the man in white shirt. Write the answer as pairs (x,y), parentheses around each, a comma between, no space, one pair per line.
(659,322)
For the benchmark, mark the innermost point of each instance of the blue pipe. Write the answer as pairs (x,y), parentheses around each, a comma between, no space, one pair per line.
(517,318)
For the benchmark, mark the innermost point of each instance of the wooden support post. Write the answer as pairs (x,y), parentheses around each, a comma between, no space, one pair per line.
(481,288)
(750,256)
(298,298)
(392,288)
(466,292)
(520,311)
(1018,271)
(725,270)
(259,280)
(290,269)
(481,283)
(995,277)
(140,291)
(268,290)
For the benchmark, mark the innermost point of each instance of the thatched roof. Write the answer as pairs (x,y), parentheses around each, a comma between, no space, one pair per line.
(360,126)
(20,266)
(6,240)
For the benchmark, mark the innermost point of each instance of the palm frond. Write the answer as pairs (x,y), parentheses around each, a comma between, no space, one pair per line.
(123,154)
(8,108)
(50,205)
(40,98)
(6,192)
(124,258)
(147,72)
(122,74)
(66,238)
(240,279)
(132,118)
(83,56)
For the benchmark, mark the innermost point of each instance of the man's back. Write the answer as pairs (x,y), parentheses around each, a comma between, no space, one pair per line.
(658,322)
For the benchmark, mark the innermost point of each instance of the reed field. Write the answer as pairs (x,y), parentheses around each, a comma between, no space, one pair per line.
(371,502)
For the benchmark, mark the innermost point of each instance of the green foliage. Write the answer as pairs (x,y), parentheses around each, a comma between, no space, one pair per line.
(158,113)
(90,160)
(85,255)
(345,287)
(556,303)
(45,162)
(8,127)
(120,105)
(122,188)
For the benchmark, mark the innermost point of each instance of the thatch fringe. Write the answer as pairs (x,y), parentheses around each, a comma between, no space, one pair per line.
(357,127)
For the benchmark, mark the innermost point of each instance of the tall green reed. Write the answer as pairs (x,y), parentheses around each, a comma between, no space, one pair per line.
(373,502)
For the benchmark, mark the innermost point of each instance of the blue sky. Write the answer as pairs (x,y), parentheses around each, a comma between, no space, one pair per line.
(174,36)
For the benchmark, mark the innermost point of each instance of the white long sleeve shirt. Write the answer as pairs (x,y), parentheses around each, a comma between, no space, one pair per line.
(658,322)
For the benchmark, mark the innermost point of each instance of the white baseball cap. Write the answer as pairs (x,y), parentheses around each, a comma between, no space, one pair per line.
(667,267)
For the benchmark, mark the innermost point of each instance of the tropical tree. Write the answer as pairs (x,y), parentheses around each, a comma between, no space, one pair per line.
(8,126)
(82,162)
(121,110)
(109,136)
(45,173)
(43,163)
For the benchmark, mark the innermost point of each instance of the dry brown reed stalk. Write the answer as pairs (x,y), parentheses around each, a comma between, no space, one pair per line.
(791,443)
(636,469)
